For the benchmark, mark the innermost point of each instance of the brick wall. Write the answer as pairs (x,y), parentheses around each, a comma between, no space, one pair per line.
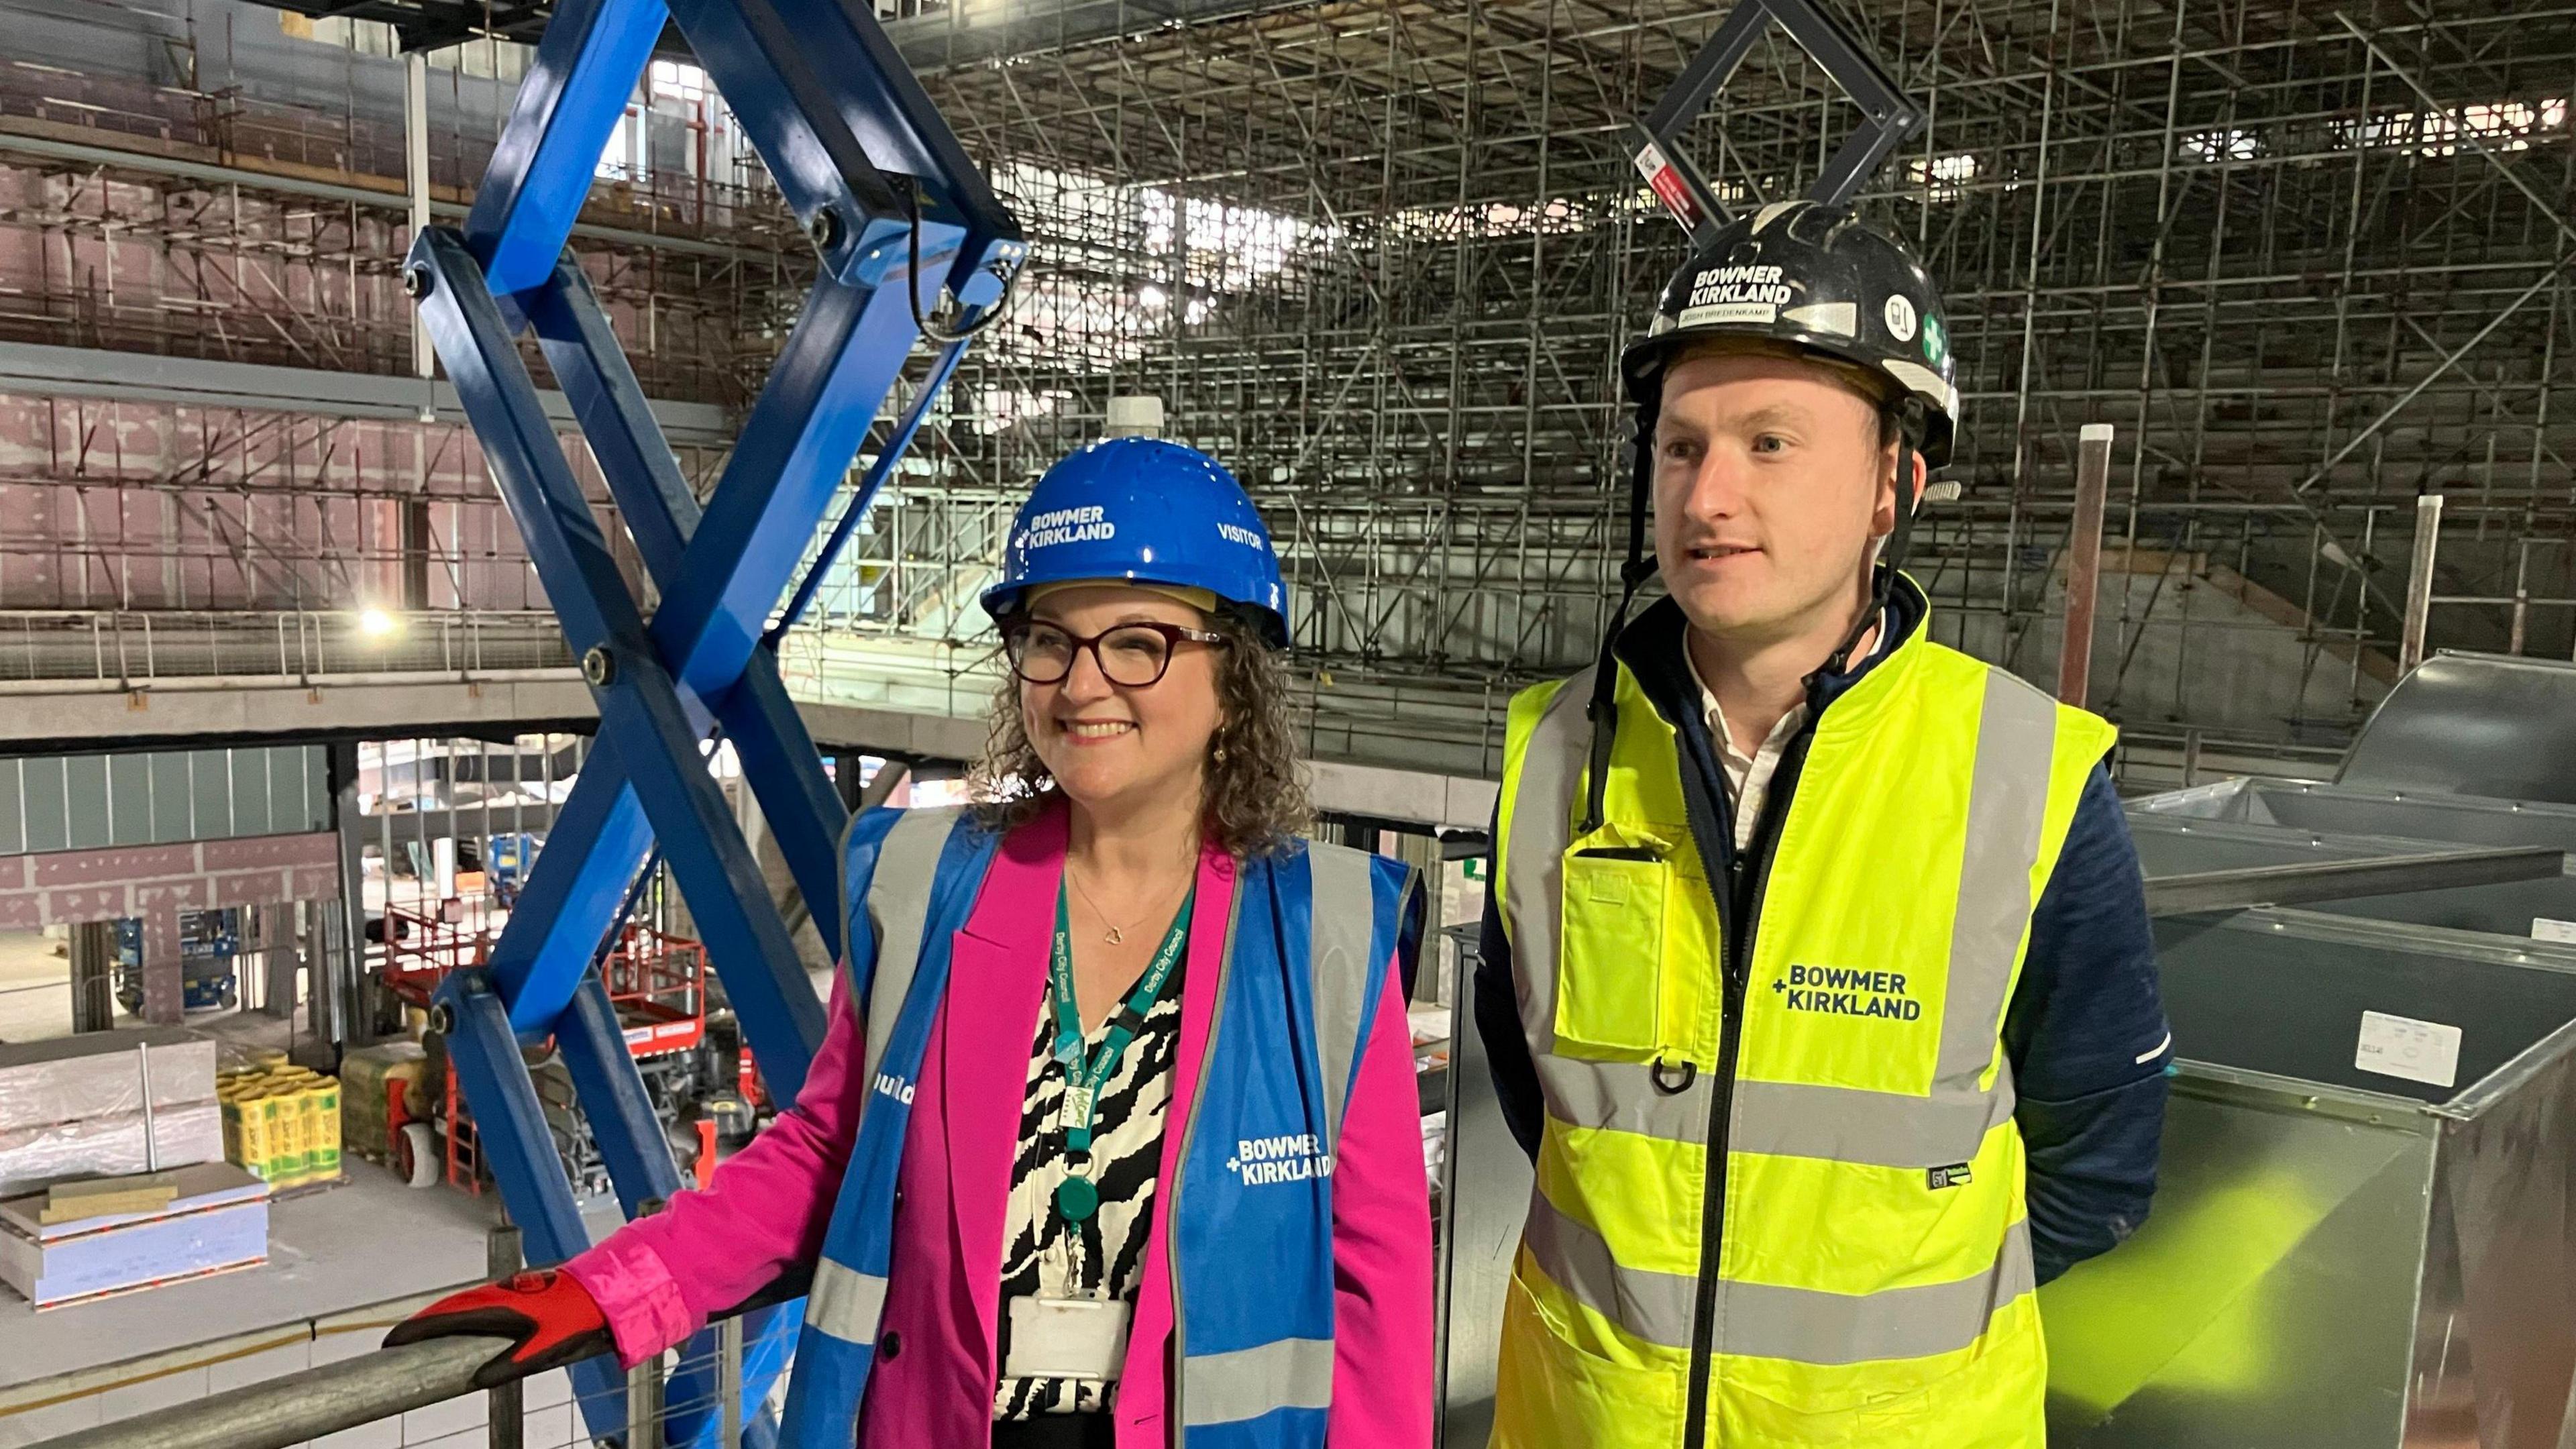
(156,883)
(61,887)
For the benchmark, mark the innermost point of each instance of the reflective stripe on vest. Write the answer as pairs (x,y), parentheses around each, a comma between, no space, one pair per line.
(1255,1344)
(1251,1254)
(910,878)
(897,904)
(1873,1235)
(845,1302)
(1767,1321)
(1344,919)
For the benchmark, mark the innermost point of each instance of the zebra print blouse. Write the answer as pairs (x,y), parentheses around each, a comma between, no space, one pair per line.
(1104,1256)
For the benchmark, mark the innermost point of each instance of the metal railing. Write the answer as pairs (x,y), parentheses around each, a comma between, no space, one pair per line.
(307,1405)
(388,1383)
(139,648)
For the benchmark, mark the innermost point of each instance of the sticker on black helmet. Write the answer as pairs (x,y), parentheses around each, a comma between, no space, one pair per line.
(1936,345)
(1747,293)
(1719,313)
(1935,390)
(1833,319)
(1900,317)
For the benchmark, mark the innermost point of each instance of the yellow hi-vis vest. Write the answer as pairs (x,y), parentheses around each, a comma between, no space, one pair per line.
(1871,1282)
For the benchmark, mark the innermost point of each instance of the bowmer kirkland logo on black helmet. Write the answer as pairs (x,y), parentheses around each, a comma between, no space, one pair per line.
(1736,294)
(1817,278)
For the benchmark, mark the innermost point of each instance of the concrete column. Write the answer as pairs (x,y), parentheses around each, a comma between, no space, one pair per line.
(318,954)
(339,1014)
(280,958)
(93,957)
(163,996)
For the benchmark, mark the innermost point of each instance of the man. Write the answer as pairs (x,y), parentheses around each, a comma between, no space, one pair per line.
(1817,976)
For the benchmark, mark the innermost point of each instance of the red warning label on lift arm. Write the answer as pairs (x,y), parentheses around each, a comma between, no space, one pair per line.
(1665,179)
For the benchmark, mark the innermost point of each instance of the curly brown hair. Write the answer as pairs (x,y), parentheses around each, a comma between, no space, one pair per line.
(1256,783)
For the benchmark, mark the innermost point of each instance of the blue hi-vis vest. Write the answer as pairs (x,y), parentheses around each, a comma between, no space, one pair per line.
(1250,1243)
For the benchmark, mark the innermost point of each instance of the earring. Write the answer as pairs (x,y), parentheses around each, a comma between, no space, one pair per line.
(1220,754)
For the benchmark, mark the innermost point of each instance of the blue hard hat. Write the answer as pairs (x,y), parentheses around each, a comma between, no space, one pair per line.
(1149,512)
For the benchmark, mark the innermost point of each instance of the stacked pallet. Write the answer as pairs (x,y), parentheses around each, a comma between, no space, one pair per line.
(87,1207)
(281,1123)
(72,1244)
(369,1076)
(74,1107)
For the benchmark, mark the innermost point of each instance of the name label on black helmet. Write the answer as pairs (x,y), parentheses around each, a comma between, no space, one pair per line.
(1088,524)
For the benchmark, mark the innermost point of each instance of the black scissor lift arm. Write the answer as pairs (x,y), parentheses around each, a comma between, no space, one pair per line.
(1888,118)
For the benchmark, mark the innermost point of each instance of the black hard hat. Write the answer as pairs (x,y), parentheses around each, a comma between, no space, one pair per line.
(1817,278)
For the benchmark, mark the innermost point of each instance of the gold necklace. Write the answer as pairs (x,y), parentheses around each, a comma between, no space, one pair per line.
(1117,934)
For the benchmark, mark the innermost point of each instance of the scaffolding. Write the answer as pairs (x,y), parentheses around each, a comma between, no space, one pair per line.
(189,218)
(1380,258)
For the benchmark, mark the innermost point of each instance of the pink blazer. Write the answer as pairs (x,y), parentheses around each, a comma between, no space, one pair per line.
(660,1278)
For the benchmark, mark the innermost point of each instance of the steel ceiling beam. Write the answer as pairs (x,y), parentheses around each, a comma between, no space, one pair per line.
(33,369)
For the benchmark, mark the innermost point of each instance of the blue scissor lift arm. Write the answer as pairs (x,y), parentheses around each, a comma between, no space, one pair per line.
(898,215)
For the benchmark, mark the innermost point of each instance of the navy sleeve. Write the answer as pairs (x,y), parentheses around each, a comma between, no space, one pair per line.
(1498,1021)
(2088,1043)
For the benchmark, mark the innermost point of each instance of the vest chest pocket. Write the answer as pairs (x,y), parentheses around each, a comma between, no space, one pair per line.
(1610,967)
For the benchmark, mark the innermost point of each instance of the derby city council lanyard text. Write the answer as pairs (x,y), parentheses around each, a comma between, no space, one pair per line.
(1077,1198)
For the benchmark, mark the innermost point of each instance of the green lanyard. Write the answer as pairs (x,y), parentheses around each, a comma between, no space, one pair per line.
(1076,1199)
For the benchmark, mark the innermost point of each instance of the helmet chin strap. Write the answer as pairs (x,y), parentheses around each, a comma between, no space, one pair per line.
(1909,442)
(1602,710)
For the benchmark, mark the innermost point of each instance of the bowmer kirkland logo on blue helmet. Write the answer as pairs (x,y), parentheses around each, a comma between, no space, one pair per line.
(1065,525)
(1141,510)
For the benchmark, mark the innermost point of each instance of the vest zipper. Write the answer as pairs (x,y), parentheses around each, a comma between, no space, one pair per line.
(1740,915)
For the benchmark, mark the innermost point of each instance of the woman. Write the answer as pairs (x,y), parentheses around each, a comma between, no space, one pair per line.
(1119,1079)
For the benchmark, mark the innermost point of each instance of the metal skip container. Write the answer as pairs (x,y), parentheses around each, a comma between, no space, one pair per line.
(2365,1228)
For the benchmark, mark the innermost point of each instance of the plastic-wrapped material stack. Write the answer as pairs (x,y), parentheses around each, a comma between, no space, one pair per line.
(216,1221)
(368,1078)
(73,1107)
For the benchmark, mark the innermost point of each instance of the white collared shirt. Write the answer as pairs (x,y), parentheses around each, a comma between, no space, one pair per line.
(1748,777)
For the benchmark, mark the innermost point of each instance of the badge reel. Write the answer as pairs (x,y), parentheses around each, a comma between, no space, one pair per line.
(1078,1337)
(1070,1338)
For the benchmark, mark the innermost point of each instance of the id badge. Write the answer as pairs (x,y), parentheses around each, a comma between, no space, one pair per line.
(1067,1338)
(1076,1110)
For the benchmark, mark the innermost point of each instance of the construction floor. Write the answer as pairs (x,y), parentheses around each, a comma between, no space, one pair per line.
(35,987)
(369,1240)
(365,1251)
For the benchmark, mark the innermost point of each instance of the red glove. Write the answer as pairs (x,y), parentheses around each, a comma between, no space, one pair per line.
(551,1319)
